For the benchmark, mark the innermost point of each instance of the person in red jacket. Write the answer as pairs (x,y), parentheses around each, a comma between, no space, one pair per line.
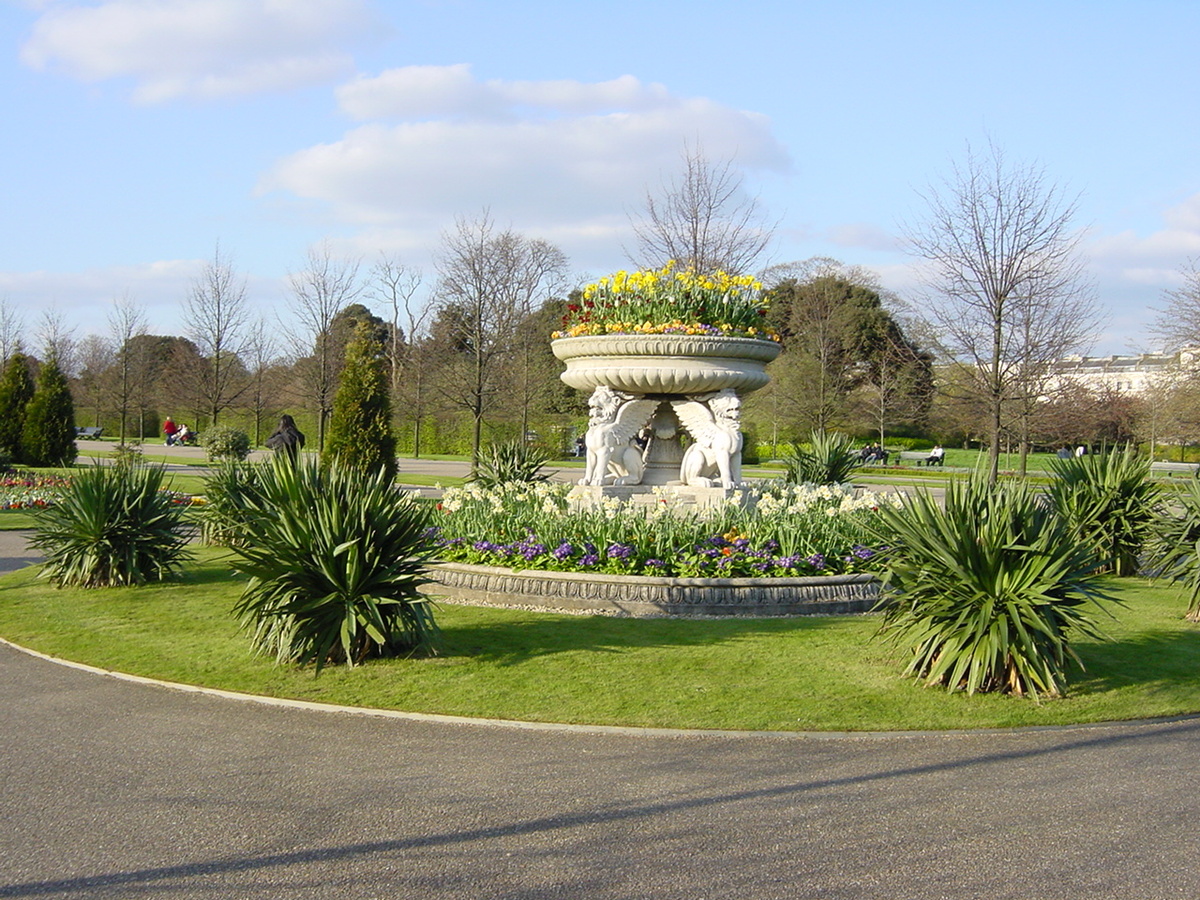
(170,430)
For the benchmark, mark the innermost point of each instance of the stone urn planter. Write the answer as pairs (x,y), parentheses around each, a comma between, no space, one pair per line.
(664,408)
(678,364)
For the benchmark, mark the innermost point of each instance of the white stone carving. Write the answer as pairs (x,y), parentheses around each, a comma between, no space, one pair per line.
(615,418)
(714,459)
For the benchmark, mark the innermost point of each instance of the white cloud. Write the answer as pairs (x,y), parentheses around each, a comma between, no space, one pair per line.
(864,236)
(1133,270)
(415,92)
(556,158)
(85,298)
(200,48)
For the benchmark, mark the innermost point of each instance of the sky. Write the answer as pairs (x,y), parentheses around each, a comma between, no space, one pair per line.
(139,136)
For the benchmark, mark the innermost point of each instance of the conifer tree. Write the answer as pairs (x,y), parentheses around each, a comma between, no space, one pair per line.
(48,438)
(360,432)
(16,390)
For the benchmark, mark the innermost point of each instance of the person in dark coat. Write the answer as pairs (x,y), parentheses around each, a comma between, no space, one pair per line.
(287,438)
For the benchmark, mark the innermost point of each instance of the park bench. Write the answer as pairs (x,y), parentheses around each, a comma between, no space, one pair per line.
(919,458)
(89,434)
(1173,468)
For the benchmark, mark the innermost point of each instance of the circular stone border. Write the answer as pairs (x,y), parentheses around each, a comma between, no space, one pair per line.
(648,595)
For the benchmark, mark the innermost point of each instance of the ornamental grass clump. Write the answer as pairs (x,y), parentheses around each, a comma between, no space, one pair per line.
(829,458)
(775,532)
(335,560)
(1173,547)
(1110,501)
(227,490)
(510,462)
(113,526)
(669,301)
(986,591)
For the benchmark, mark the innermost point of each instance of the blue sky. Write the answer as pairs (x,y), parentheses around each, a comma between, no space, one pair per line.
(140,133)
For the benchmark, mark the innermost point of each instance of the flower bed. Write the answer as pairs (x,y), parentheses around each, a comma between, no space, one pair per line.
(669,301)
(40,491)
(775,532)
(31,491)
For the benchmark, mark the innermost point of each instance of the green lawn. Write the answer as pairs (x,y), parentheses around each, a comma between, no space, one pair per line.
(761,674)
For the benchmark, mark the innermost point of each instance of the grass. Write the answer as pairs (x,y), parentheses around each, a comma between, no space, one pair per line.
(419,480)
(759,674)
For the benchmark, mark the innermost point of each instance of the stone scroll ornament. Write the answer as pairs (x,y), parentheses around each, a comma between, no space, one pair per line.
(714,458)
(614,420)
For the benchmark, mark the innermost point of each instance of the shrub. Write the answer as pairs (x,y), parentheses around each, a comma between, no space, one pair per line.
(985,591)
(1173,547)
(223,443)
(16,390)
(112,526)
(360,431)
(1109,500)
(128,455)
(335,560)
(510,462)
(829,458)
(48,436)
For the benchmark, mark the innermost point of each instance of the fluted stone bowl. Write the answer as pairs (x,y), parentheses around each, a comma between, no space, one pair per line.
(665,363)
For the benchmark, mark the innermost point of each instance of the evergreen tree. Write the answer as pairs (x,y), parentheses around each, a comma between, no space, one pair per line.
(48,438)
(360,432)
(16,390)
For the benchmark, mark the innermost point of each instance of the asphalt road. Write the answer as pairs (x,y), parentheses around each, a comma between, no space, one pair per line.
(112,789)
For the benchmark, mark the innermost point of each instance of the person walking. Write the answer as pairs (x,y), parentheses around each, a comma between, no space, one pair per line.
(170,429)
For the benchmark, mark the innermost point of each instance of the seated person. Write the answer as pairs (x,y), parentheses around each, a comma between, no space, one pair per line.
(937,456)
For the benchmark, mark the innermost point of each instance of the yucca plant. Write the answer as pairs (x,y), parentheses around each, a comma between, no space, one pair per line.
(510,462)
(1109,500)
(113,526)
(226,492)
(335,561)
(1173,548)
(986,589)
(829,458)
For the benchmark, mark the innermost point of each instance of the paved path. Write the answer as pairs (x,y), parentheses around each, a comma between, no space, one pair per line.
(118,790)
(112,789)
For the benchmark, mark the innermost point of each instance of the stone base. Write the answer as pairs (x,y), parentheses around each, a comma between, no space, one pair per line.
(645,596)
(585,496)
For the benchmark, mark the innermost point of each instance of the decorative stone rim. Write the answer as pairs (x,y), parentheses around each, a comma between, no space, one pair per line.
(686,345)
(649,595)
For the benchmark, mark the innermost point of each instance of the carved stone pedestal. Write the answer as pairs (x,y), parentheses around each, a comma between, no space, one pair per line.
(664,408)
(676,495)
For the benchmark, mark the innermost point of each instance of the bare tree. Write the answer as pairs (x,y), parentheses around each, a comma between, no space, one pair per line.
(57,340)
(96,357)
(896,383)
(319,292)
(489,281)
(1179,323)
(702,219)
(126,321)
(12,327)
(1006,287)
(259,356)
(215,317)
(396,285)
